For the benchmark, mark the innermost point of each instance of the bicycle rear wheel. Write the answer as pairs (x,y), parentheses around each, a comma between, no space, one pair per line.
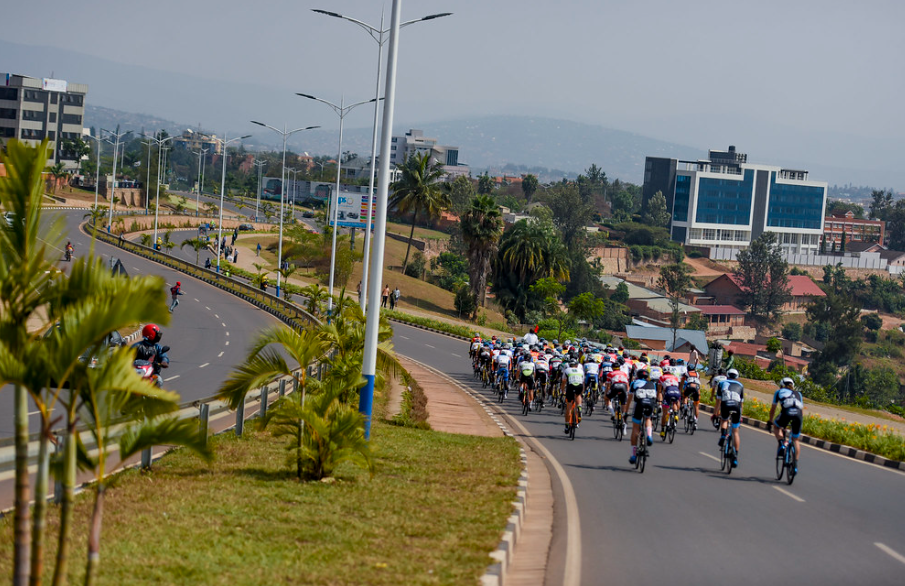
(780,466)
(790,464)
(617,429)
(723,460)
(730,456)
(642,458)
(671,432)
(572,431)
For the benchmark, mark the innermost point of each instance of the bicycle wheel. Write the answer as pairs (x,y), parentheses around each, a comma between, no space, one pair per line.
(572,431)
(642,458)
(525,403)
(671,431)
(780,465)
(730,456)
(691,422)
(790,463)
(638,453)
(723,460)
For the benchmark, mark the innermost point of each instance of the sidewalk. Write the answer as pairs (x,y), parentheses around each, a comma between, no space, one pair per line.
(451,410)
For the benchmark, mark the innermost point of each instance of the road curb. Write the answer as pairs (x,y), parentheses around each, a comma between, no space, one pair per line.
(841,449)
(497,571)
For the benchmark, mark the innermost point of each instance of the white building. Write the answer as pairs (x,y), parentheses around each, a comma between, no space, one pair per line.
(414,141)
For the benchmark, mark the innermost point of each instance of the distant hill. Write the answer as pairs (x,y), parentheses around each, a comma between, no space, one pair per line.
(550,148)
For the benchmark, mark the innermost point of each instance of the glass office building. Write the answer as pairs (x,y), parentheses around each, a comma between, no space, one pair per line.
(725,202)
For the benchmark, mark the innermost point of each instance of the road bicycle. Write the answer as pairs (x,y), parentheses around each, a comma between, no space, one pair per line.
(641,451)
(785,460)
(590,398)
(572,424)
(727,454)
(523,395)
(687,415)
(618,421)
(502,388)
(656,416)
(672,422)
(539,399)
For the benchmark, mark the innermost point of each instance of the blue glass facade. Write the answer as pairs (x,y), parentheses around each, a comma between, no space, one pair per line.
(795,206)
(725,201)
(683,194)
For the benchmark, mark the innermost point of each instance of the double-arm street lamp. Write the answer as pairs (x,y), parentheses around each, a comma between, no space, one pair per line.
(341,111)
(160,150)
(97,173)
(380,35)
(223,144)
(117,136)
(200,152)
(285,134)
(260,165)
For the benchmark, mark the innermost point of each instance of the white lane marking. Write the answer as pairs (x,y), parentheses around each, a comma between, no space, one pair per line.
(33,413)
(216,316)
(207,308)
(709,456)
(198,300)
(219,355)
(205,364)
(429,346)
(166,380)
(789,494)
(136,269)
(404,337)
(227,342)
(222,324)
(892,553)
(227,333)
(456,355)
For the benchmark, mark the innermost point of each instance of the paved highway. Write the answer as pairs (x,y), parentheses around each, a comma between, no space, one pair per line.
(684,522)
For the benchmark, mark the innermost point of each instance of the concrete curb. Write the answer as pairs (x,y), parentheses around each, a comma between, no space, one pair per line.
(827,445)
(497,571)
(427,329)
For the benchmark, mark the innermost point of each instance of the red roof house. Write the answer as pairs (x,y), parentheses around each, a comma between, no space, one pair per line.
(727,288)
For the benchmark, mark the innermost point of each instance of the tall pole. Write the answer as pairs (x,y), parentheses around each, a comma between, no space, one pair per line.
(97,172)
(260,166)
(369,361)
(113,188)
(201,152)
(157,198)
(339,164)
(224,144)
(148,180)
(363,302)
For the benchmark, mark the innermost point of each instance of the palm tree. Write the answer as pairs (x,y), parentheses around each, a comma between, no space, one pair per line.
(417,189)
(197,244)
(316,296)
(286,273)
(146,240)
(529,186)
(58,171)
(96,213)
(482,226)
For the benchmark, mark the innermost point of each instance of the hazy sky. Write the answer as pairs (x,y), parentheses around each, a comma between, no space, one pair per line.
(809,80)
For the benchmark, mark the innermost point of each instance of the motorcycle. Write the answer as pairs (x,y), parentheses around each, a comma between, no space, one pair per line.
(150,371)
(68,255)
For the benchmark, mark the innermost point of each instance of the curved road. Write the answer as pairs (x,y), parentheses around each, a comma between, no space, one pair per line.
(684,522)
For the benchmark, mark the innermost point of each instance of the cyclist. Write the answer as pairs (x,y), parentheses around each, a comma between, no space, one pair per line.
(729,401)
(670,395)
(542,374)
(591,375)
(716,379)
(616,386)
(691,389)
(644,393)
(571,386)
(503,361)
(791,405)
(526,368)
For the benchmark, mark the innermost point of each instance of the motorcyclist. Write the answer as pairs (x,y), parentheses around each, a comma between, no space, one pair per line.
(148,348)
(69,250)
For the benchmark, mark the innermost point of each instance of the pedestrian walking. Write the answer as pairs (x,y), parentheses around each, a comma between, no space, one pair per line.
(392,301)
(396,295)
(258,250)
(359,289)
(207,263)
(175,292)
(235,256)
(385,296)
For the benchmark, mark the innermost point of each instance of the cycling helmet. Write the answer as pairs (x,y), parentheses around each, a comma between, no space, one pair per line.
(151,333)
(732,373)
(573,363)
(178,284)
(644,374)
(645,360)
(672,361)
(620,360)
(787,382)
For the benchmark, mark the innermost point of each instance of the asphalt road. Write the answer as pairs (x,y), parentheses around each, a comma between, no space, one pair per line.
(208,335)
(684,522)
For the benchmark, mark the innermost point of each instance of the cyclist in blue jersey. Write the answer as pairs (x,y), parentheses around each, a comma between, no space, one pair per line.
(791,405)
(644,393)
(730,396)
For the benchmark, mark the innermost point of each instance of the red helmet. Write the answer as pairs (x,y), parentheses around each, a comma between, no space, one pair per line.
(178,284)
(151,333)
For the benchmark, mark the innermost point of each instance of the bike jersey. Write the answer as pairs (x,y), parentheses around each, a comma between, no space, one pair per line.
(495,352)
(669,380)
(692,380)
(555,363)
(716,381)
(527,368)
(573,375)
(655,373)
(731,392)
(616,377)
(505,352)
(591,368)
(543,365)
(475,346)
(791,401)
(627,367)
(643,390)
(503,360)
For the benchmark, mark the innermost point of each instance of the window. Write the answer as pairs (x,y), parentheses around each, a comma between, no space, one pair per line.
(53,98)
(725,201)
(71,119)
(7,114)
(9,93)
(53,117)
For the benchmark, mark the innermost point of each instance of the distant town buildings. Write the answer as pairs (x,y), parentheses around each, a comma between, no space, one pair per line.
(32,109)
(725,202)
(855,230)
(414,141)
(196,140)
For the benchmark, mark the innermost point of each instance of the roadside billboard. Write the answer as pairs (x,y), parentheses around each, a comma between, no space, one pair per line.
(352,210)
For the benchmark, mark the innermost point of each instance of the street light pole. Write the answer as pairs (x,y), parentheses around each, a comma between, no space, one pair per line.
(200,153)
(160,150)
(378,35)
(224,144)
(117,135)
(97,172)
(285,134)
(341,111)
(260,165)
(369,360)
(148,180)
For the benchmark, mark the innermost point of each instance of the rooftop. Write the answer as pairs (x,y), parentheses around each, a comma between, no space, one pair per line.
(720,310)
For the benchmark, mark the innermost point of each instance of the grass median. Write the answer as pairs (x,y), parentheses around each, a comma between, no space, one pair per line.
(434,509)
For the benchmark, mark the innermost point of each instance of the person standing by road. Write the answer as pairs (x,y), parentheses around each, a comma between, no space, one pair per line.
(175,292)
(392,300)
(385,296)
(396,296)
(258,250)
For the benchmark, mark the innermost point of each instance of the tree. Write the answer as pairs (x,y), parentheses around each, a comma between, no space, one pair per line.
(792,331)
(822,244)
(840,208)
(763,277)
(697,321)
(895,225)
(485,184)
(465,302)
(461,191)
(529,186)
(841,314)
(872,321)
(587,307)
(620,295)
(675,279)
(842,242)
(881,385)
(482,226)
(881,202)
(622,204)
(417,190)
(656,213)
(197,245)
(59,172)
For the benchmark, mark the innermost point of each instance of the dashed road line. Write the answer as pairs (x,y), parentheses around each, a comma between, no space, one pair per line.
(166,380)
(227,343)
(216,316)
(429,346)
(198,300)
(709,456)
(456,355)
(789,494)
(892,553)
(220,354)
(207,308)
(227,333)
(203,365)
(404,337)
(136,269)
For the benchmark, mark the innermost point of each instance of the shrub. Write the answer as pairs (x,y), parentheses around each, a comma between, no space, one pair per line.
(695,254)
(465,302)
(415,268)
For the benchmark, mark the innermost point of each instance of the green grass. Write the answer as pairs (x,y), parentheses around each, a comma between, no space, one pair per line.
(442,326)
(435,508)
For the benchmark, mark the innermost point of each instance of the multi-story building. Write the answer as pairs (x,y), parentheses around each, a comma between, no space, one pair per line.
(726,202)
(855,230)
(33,109)
(414,141)
(196,140)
